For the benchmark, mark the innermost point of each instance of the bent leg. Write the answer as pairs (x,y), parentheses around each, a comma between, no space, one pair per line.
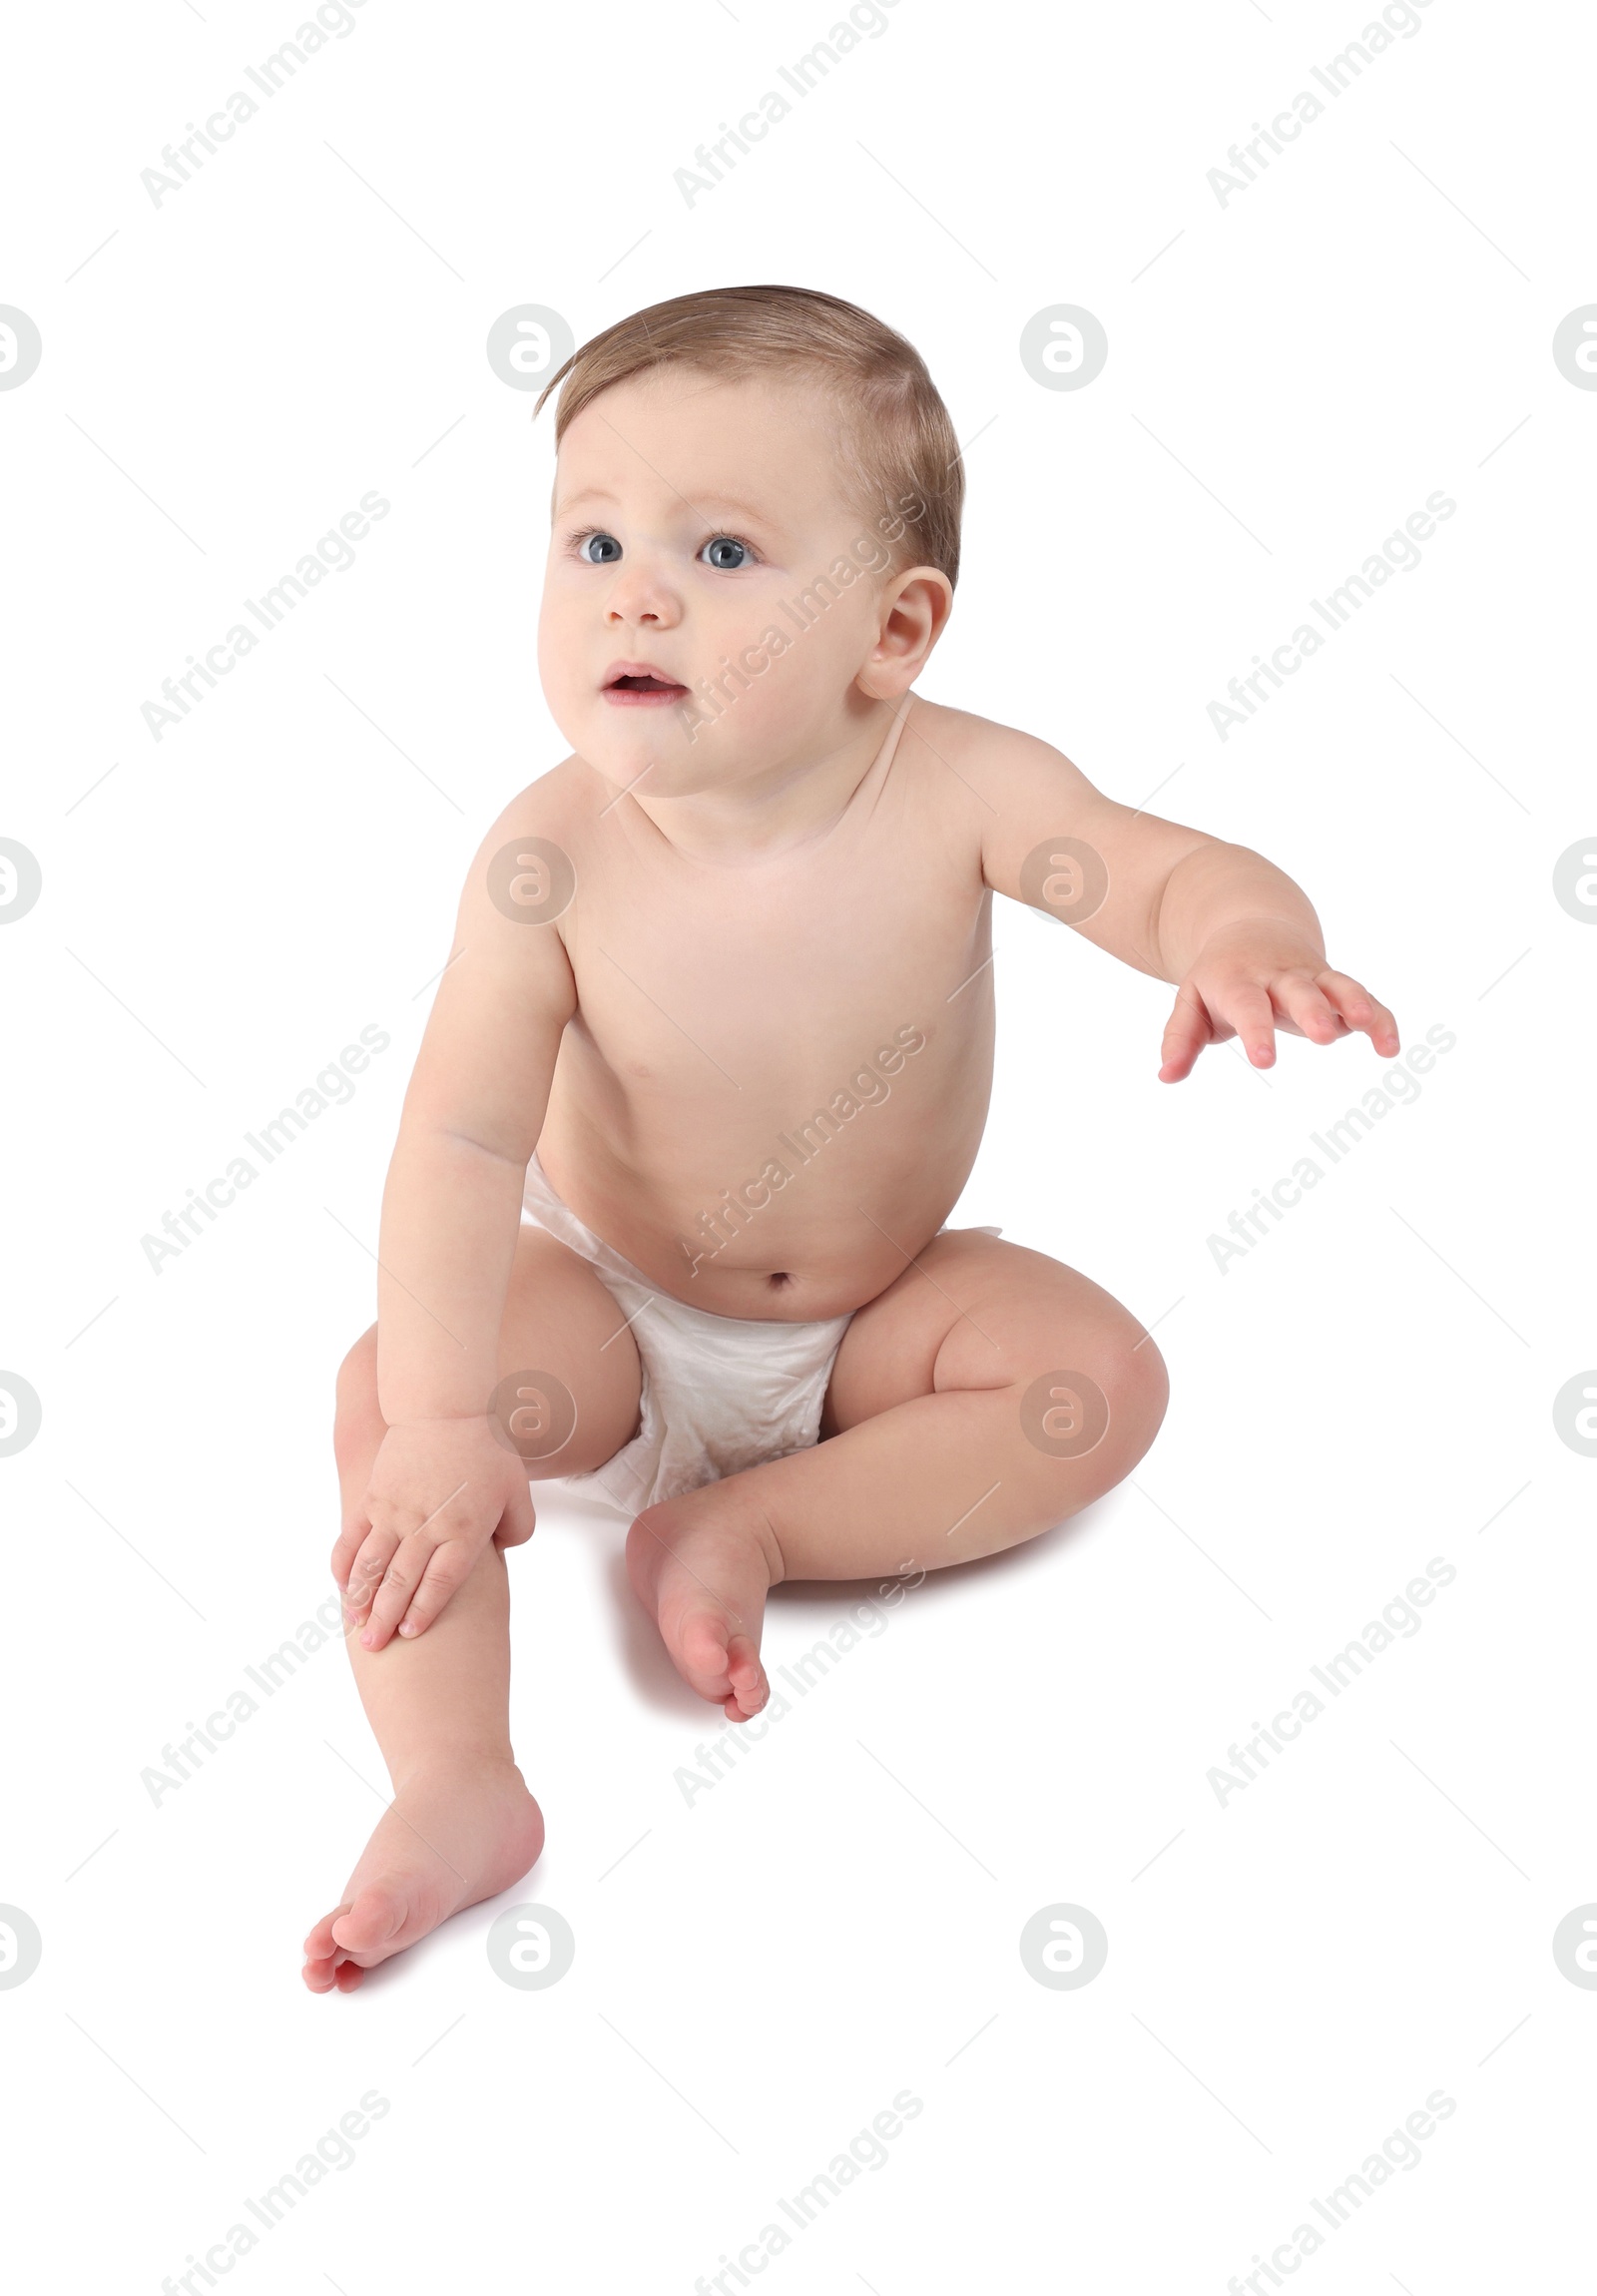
(462,1825)
(951,1431)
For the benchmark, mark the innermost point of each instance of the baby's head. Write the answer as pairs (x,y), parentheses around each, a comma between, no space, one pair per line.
(755,535)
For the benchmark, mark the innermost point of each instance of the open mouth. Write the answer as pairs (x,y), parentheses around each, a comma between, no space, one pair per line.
(634,686)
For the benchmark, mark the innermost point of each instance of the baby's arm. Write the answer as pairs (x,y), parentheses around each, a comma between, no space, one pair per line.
(1238,936)
(442,1483)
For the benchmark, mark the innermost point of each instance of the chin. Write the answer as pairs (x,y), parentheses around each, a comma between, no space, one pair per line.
(623,759)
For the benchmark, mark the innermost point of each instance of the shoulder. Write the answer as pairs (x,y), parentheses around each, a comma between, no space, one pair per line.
(992,757)
(999,781)
(561,804)
(556,819)
(527,862)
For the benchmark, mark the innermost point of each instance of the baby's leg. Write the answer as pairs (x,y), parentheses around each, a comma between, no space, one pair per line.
(936,1448)
(462,1825)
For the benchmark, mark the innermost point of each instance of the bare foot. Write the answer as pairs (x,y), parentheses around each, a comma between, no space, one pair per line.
(703,1576)
(455,1833)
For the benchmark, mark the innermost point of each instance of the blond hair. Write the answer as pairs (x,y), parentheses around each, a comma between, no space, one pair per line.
(898,447)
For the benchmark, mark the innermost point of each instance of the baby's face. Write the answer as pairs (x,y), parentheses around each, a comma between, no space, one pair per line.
(691,521)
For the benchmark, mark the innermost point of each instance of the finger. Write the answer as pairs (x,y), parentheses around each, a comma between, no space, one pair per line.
(356,1528)
(1251,1013)
(1362,1012)
(399,1582)
(1312,1013)
(518,1521)
(1187,1031)
(443,1579)
(365,1573)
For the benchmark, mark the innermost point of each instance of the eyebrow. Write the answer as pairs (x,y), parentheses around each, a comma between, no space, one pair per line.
(733,502)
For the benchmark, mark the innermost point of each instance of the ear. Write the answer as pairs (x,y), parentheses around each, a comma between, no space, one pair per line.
(915,606)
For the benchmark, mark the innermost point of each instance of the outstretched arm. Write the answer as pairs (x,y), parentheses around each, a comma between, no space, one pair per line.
(1238,937)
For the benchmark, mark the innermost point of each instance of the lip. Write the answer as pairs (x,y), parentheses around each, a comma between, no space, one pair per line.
(665,694)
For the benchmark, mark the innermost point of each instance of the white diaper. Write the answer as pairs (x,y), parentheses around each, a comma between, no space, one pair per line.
(719,1393)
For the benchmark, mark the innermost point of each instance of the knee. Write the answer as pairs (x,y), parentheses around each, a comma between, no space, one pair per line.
(1102,1407)
(1139,1395)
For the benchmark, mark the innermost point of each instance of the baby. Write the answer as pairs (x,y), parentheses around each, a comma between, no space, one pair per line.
(708,1070)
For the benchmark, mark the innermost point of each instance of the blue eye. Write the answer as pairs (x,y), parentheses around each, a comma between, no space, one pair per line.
(599,549)
(713,552)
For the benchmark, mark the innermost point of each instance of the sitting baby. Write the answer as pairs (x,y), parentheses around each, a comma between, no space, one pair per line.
(708,1067)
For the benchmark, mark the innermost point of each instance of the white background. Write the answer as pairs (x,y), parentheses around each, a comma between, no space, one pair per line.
(1290,375)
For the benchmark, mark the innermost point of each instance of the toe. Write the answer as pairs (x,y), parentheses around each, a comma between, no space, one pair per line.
(747,1677)
(321,1944)
(372,1924)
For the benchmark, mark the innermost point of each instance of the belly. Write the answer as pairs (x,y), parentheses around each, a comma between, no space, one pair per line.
(806,1203)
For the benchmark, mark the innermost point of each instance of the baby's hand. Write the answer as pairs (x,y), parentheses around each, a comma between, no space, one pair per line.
(1256,976)
(439,1491)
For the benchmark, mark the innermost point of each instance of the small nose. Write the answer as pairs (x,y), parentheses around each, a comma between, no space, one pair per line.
(642,594)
